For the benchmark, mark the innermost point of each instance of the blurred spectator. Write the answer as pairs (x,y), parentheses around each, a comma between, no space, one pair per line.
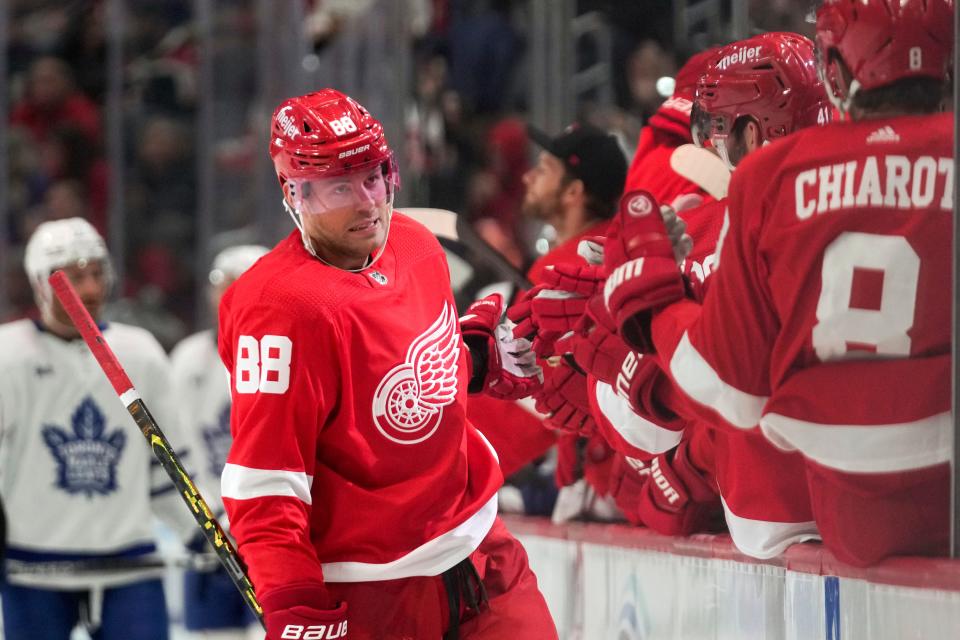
(65,199)
(51,100)
(85,46)
(484,47)
(27,180)
(67,154)
(648,63)
(162,193)
(497,190)
(782,15)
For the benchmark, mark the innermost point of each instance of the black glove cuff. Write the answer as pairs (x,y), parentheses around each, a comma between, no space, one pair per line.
(479,349)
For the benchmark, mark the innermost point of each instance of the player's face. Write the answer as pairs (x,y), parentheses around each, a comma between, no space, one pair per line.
(544,183)
(346,216)
(90,280)
(741,142)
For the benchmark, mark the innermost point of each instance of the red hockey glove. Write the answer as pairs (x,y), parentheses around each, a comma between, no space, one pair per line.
(520,313)
(525,324)
(649,391)
(582,280)
(595,345)
(677,500)
(503,366)
(285,620)
(642,267)
(554,308)
(628,480)
(564,399)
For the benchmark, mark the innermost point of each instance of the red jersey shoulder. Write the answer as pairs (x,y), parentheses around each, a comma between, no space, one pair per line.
(287,279)
(412,240)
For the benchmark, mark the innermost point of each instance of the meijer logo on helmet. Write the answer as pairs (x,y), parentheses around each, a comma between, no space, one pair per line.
(739,56)
(289,128)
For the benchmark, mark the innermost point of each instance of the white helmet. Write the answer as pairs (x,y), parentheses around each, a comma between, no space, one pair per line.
(60,243)
(233,261)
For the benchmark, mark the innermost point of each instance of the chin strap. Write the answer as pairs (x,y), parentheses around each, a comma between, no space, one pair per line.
(843,104)
(308,245)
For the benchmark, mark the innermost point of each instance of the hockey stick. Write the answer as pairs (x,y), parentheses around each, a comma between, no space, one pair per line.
(130,398)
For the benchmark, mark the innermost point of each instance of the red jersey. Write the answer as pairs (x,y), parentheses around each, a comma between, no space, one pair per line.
(352,457)
(655,424)
(835,253)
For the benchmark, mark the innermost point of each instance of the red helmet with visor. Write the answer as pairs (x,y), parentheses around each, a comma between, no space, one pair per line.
(881,42)
(770,78)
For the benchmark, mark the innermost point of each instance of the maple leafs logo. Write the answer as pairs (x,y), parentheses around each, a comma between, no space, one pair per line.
(86,458)
(217,440)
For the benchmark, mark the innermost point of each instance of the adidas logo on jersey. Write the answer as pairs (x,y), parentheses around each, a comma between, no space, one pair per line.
(378,277)
(883,135)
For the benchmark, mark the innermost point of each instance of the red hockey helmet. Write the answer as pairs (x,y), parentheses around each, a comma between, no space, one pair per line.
(882,41)
(771,78)
(676,108)
(323,134)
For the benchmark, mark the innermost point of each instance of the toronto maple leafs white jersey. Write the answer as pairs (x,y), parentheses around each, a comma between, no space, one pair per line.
(79,482)
(201,386)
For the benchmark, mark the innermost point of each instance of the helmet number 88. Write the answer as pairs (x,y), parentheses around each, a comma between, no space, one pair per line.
(263,365)
(342,126)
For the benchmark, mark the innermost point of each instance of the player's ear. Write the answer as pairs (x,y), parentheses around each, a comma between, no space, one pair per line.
(574,190)
(752,139)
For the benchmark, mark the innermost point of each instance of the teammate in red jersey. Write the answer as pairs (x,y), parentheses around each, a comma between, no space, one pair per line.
(766,79)
(354,478)
(666,162)
(825,324)
(752,93)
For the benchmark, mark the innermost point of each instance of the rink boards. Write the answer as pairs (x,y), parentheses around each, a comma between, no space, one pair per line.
(624,583)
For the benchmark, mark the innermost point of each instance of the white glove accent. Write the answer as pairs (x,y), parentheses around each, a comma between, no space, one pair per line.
(516,354)
(676,227)
(591,252)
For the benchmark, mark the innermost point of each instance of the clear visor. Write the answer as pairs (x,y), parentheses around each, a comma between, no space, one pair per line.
(699,125)
(367,187)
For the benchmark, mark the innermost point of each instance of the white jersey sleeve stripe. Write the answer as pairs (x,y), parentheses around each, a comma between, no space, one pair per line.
(244,483)
(764,539)
(865,448)
(696,378)
(637,431)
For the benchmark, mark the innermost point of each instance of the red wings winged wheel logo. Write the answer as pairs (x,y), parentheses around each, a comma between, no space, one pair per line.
(409,401)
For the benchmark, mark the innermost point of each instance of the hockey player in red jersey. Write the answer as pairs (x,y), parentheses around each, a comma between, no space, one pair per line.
(825,325)
(666,162)
(362,500)
(634,405)
(752,93)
